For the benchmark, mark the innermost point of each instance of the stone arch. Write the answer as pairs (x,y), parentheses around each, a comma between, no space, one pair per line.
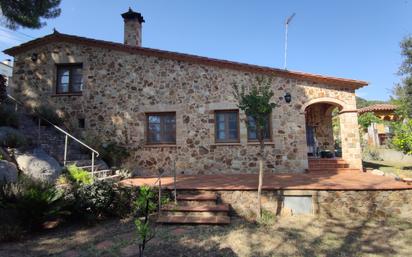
(339,103)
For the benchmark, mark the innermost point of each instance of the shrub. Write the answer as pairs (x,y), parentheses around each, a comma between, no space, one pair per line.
(92,201)
(28,203)
(10,137)
(9,117)
(79,175)
(49,114)
(402,140)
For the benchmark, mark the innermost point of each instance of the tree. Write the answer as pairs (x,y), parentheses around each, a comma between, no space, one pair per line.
(28,13)
(256,103)
(402,140)
(367,119)
(403,91)
(3,90)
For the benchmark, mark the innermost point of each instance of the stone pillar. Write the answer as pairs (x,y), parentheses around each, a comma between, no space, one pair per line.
(349,130)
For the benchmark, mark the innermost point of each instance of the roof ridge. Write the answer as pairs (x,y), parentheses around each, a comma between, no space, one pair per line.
(355,84)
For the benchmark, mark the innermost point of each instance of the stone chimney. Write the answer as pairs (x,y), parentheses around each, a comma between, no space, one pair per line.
(132,28)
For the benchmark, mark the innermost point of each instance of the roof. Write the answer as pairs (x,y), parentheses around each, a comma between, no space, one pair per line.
(60,37)
(378,107)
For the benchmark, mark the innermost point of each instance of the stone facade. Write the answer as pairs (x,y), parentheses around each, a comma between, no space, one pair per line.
(328,204)
(121,87)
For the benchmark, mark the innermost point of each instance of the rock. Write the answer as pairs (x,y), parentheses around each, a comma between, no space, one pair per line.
(38,164)
(8,171)
(378,172)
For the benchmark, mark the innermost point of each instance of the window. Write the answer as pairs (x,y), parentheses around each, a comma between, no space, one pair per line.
(82,123)
(161,128)
(227,126)
(251,129)
(69,79)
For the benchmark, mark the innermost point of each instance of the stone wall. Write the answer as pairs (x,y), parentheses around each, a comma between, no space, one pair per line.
(338,204)
(119,88)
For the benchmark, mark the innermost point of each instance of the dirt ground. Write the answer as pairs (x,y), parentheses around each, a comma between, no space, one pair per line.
(287,236)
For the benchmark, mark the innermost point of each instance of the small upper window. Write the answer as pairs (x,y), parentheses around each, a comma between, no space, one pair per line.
(161,128)
(252,132)
(69,78)
(227,126)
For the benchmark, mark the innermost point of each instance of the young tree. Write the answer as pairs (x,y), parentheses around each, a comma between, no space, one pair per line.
(257,104)
(27,13)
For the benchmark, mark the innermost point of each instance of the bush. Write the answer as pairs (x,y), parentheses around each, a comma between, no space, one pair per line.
(26,204)
(79,175)
(10,137)
(402,140)
(92,201)
(9,117)
(49,114)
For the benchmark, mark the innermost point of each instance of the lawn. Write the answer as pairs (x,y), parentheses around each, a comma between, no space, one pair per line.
(288,236)
(401,169)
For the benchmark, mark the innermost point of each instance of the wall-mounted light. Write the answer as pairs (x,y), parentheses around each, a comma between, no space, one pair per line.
(288,97)
(34,57)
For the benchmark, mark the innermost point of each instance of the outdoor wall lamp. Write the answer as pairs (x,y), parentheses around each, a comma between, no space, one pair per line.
(288,97)
(34,57)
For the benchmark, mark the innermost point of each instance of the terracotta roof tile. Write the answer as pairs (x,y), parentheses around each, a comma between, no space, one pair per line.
(60,37)
(378,107)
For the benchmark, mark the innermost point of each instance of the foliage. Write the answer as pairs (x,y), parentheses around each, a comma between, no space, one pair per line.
(3,90)
(256,103)
(361,102)
(91,201)
(367,119)
(371,153)
(402,140)
(28,13)
(79,175)
(145,204)
(26,204)
(113,154)
(9,117)
(50,114)
(403,91)
(10,137)
(1,156)
(268,218)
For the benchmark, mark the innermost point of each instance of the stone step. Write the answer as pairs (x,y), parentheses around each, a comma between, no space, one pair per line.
(198,208)
(197,197)
(177,219)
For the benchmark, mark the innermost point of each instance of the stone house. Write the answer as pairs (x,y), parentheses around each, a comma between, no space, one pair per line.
(167,106)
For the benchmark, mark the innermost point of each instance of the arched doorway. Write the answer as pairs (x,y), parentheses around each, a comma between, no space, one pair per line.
(323,135)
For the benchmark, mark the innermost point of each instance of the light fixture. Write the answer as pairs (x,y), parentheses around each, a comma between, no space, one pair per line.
(34,57)
(288,97)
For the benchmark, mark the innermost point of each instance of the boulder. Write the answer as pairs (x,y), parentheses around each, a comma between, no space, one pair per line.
(8,171)
(38,164)
(378,172)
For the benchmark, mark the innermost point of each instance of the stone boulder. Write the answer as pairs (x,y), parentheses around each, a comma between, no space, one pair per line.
(38,164)
(378,172)
(8,171)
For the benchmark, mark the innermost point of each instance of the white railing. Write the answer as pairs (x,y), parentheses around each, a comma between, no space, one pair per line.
(67,135)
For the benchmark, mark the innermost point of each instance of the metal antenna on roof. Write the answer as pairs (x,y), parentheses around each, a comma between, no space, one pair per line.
(288,20)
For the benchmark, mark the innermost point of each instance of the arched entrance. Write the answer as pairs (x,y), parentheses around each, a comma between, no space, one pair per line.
(323,130)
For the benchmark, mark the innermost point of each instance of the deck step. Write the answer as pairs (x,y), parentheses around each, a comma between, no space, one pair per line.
(197,197)
(197,208)
(216,220)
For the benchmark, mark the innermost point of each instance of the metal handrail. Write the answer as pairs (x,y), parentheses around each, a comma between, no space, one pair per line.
(67,135)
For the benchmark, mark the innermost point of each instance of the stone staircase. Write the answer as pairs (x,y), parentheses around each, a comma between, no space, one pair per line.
(52,142)
(195,208)
(329,165)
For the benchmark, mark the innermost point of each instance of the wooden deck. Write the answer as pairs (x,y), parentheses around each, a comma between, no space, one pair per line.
(331,180)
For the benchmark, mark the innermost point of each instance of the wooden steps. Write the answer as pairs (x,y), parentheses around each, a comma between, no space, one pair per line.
(199,208)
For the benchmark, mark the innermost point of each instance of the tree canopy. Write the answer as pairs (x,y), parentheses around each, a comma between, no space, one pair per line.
(28,13)
(403,91)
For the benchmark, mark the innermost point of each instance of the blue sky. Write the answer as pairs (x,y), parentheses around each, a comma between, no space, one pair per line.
(351,39)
